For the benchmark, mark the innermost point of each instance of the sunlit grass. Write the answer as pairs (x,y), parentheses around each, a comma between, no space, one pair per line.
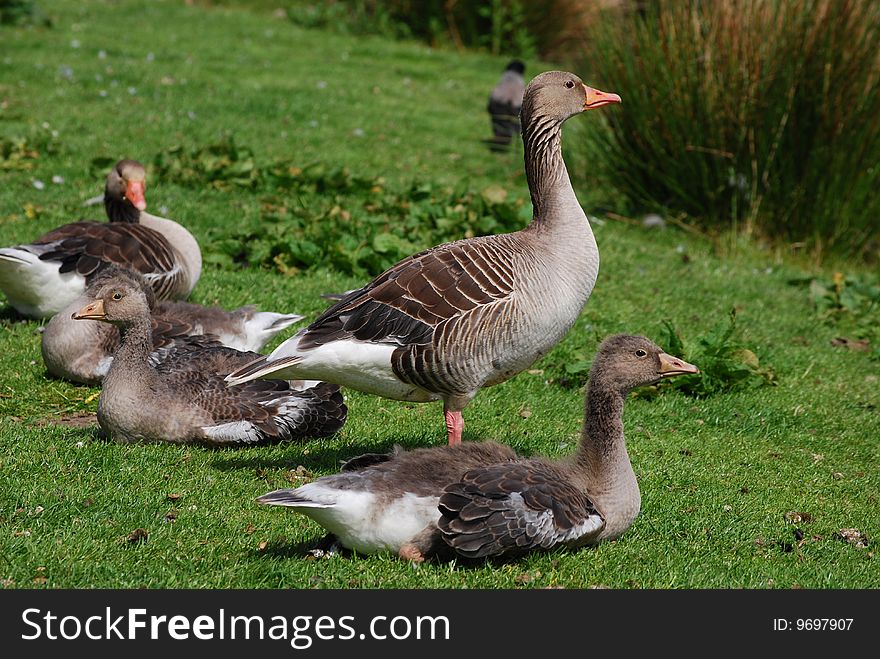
(718,475)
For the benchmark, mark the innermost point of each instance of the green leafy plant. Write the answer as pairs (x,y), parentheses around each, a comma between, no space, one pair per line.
(221,165)
(842,295)
(355,225)
(725,363)
(850,303)
(21,152)
(17,153)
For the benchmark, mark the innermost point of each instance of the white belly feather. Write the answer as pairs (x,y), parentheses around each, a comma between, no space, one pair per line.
(356,364)
(36,288)
(362,523)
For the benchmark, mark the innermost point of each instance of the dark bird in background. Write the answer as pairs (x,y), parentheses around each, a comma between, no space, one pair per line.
(505,102)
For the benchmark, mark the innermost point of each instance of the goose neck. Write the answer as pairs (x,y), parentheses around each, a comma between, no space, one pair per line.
(603,463)
(602,451)
(120,210)
(545,168)
(136,343)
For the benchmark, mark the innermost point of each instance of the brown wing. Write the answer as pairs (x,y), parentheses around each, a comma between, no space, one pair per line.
(509,509)
(190,358)
(405,304)
(167,330)
(270,410)
(87,247)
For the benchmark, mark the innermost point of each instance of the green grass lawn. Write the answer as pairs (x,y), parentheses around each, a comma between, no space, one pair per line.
(747,488)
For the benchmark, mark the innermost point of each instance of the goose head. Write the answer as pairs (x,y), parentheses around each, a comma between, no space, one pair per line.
(119,302)
(517,66)
(624,362)
(117,274)
(559,95)
(126,182)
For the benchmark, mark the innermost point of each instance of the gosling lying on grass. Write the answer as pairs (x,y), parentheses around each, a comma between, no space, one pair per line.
(183,398)
(479,499)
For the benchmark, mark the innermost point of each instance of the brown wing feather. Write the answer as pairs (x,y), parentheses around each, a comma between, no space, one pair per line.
(194,368)
(277,411)
(406,303)
(193,357)
(508,509)
(87,247)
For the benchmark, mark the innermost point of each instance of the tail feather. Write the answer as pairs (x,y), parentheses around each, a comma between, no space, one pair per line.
(261,326)
(316,412)
(292,499)
(17,256)
(338,296)
(281,320)
(259,368)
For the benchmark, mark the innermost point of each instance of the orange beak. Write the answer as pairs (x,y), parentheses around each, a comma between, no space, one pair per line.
(134,192)
(596,99)
(670,366)
(93,311)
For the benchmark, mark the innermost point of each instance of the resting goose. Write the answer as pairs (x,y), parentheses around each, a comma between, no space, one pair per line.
(41,278)
(82,351)
(479,499)
(183,399)
(472,313)
(505,102)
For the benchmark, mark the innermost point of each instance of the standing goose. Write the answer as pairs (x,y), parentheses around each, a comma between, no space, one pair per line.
(82,350)
(472,313)
(41,278)
(479,499)
(183,399)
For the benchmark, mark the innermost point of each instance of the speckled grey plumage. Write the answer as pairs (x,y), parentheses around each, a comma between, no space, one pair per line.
(474,312)
(480,499)
(183,398)
(82,350)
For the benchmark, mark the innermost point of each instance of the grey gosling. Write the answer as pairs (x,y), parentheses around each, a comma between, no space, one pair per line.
(180,396)
(479,499)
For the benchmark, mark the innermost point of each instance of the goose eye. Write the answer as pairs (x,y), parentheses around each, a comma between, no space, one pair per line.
(569,83)
(641,353)
(117,295)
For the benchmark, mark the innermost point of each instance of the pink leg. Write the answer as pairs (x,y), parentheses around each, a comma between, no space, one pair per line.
(454,426)
(410,552)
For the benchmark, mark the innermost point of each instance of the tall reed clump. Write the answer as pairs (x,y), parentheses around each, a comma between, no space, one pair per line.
(760,116)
